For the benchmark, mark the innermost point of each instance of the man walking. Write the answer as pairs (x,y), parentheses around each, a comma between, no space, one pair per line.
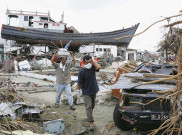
(63,78)
(87,81)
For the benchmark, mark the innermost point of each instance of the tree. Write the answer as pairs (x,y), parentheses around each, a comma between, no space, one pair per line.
(171,42)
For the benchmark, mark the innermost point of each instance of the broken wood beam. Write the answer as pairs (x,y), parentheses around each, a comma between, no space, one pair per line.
(160,80)
(157,75)
(172,24)
(39,91)
(35,89)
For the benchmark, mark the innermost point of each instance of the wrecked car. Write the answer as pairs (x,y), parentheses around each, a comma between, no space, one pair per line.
(139,106)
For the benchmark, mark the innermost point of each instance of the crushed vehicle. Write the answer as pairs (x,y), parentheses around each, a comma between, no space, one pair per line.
(139,106)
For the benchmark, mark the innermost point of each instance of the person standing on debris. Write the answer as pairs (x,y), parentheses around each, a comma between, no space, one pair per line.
(63,78)
(87,81)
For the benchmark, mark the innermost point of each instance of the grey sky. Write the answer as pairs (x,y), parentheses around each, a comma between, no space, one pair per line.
(82,5)
(105,15)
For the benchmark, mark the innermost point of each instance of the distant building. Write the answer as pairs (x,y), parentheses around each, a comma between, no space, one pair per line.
(98,50)
(146,56)
(131,54)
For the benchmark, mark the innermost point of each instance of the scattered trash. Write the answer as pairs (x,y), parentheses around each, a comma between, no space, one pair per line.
(67,112)
(24,65)
(5,110)
(54,127)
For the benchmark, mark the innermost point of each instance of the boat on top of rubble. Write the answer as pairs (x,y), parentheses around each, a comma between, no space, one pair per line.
(39,28)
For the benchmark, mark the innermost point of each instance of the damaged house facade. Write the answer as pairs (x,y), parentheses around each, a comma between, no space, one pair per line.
(145,56)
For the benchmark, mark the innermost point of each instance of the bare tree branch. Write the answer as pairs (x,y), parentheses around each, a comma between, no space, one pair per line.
(172,24)
(149,27)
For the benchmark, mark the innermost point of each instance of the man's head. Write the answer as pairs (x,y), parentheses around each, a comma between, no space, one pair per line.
(87,59)
(63,60)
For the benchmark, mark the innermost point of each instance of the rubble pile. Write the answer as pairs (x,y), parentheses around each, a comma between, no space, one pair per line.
(128,67)
(8,66)
(31,87)
(13,111)
(19,127)
(149,92)
(147,97)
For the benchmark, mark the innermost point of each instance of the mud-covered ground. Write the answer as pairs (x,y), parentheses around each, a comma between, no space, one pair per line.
(75,121)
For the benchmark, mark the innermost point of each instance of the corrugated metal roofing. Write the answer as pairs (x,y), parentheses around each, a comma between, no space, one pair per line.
(127,83)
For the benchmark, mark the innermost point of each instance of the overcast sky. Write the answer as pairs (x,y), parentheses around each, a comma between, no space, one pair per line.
(105,15)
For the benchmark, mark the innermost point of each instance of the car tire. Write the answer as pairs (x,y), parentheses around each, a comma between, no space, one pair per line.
(119,122)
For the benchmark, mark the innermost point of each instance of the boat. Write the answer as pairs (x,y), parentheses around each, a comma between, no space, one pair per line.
(36,28)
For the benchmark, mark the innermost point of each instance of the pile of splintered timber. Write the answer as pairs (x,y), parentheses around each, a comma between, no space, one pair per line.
(129,67)
(8,126)
(8,95)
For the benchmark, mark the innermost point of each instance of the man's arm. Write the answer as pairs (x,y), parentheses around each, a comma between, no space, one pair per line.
(52,60)
(74,61)
(97,67)
(79,84)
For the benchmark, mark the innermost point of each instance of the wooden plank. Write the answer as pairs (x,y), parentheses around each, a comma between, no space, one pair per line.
(151,78)
(39,91)
(35,88)
(157,75)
